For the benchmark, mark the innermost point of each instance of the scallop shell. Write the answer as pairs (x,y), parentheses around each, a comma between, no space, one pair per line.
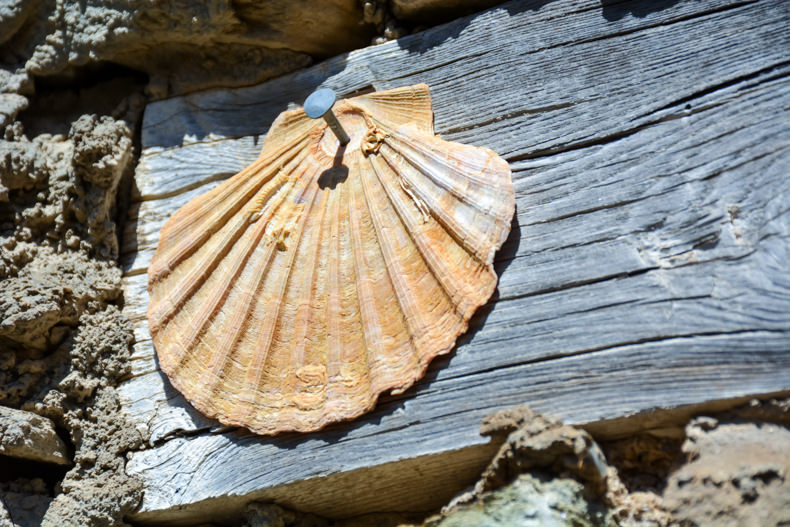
(293,294)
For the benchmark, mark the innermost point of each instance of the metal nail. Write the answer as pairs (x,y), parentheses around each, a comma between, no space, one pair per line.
(319,104)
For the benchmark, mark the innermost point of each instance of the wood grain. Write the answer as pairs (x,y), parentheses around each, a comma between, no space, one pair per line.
(647,268)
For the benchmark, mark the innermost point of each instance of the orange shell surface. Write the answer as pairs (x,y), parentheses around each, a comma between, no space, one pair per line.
(293,294)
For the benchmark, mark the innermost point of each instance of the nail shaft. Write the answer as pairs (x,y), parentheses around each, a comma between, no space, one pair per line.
(319,104)
(335,126)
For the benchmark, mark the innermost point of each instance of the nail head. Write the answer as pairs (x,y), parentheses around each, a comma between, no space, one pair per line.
(319,102)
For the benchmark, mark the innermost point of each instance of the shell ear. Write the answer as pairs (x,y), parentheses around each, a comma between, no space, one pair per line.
(410,105)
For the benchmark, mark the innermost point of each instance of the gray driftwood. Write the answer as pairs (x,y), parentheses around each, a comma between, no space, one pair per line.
(647,268)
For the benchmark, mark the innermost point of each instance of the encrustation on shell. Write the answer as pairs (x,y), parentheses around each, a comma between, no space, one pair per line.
(296,292)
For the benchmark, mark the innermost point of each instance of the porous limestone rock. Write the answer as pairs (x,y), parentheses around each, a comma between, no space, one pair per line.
(29,436)
(184,45)
(422,10)
(547,473)
(530,501)
(65,341)
(737,474)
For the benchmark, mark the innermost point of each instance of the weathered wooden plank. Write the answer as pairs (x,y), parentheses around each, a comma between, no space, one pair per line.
(517,117)
(559,77)
(245,465)
(164,172)
(141,237)
(647,267)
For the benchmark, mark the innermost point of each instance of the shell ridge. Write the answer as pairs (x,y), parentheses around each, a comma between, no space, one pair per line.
(437,265)
(301,325)
(458,232)
(241,317)
(334,299)
(160,314)
(188,285)
(500,221)
(462,195)
(218,295)
(422,207)
(240,324)
(209,308)
(196,212)
(187,217)
(289,124)
(473,173)
(371,328)
(386,376)
(408,104)
(404,302)
(191,283)
(478,196)
(220,216)
(263,344)
(436,332)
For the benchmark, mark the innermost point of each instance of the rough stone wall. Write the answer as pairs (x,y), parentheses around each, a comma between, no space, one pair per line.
(64,342)
(181,44)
